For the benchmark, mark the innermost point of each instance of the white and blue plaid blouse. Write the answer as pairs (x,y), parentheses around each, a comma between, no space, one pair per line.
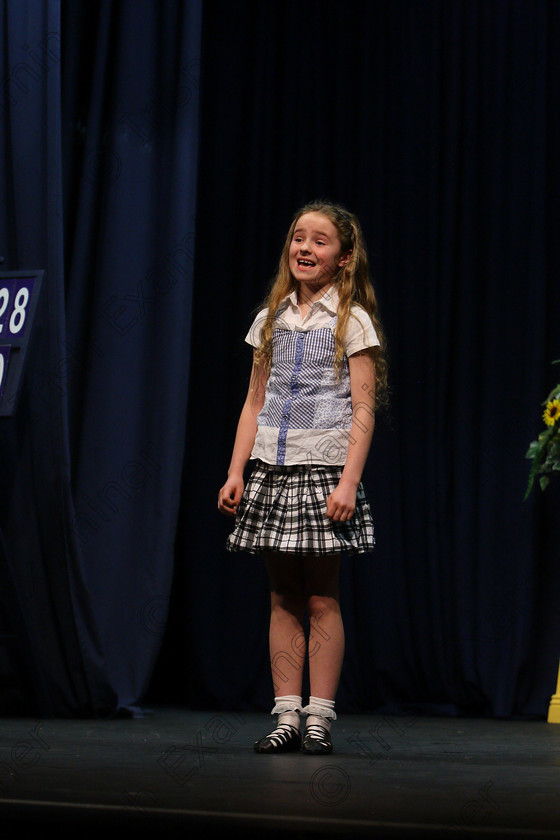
(307,413)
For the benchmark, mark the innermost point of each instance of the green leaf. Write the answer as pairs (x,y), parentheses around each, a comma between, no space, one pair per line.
(533,449)
(544,481)
(554,395)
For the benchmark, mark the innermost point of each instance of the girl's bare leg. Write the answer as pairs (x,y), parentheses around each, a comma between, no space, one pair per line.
(286,636)
(326,639)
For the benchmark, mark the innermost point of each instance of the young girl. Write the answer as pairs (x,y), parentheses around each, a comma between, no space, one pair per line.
(318,373)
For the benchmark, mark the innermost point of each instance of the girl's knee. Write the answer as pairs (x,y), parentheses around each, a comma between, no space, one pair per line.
(322,605)
(287,606)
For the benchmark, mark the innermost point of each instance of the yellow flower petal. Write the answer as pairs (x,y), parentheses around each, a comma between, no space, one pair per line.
(551,412)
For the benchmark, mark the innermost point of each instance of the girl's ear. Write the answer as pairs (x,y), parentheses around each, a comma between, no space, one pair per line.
(345,259)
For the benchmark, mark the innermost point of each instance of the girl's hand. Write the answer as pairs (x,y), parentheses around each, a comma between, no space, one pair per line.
(341,504)
(230,495)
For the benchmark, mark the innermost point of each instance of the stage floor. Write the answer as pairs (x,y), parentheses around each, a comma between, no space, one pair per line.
(177,773)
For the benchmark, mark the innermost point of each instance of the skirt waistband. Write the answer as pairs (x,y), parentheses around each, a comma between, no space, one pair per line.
(297,468)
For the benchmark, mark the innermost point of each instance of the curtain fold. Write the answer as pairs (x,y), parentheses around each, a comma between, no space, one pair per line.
(99,158)
(37,500)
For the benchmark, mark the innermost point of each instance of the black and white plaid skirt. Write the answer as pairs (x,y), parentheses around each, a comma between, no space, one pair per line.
(285,509)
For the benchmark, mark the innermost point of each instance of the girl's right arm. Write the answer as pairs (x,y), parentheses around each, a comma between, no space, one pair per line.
(230,494)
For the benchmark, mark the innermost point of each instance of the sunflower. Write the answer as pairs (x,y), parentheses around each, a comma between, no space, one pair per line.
(544,452)
(552,412)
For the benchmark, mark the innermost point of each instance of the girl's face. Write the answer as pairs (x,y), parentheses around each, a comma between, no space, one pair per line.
(315,255)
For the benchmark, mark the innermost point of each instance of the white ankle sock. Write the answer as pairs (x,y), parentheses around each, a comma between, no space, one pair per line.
(291,718)
(318,720)
(287,703)
(287,708)
(320,712)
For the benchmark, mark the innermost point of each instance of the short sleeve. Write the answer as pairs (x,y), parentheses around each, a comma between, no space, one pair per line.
(360,332)
(253,337)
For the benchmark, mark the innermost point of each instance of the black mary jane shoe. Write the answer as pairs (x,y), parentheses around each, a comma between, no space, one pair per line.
(285,738)
(317,740)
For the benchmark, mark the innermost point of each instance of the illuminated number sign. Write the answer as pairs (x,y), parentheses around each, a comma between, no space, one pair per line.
(19,292)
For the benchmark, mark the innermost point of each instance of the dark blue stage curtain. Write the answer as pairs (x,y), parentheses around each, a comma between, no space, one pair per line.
(437,122)
(98,174)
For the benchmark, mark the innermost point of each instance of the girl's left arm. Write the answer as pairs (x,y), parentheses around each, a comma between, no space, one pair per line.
(342,501)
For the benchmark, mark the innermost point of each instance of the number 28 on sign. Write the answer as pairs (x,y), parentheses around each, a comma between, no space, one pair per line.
(14,298)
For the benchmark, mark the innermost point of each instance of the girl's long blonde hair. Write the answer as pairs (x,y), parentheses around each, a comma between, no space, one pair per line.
(353,283)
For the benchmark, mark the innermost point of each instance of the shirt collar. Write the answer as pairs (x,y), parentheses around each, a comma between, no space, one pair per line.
(329,301)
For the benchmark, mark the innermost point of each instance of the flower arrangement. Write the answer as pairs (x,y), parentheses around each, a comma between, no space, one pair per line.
(545,451)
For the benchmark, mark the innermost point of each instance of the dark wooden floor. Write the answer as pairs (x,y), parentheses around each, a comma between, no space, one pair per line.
(180,773)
